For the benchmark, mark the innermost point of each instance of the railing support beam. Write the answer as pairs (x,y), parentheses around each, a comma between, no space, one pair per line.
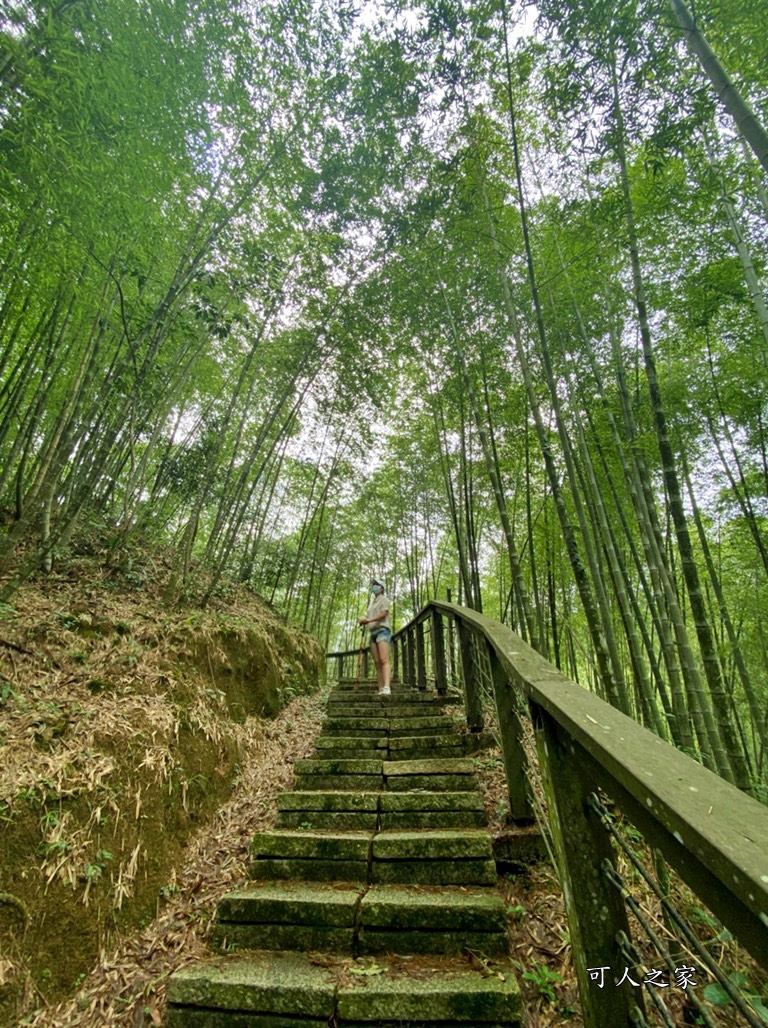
(596,911)
(410,642)
(512,747)
(421,660)
(438,653)
(472,701)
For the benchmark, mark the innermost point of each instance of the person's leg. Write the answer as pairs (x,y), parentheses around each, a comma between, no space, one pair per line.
(377,662)
(384,665)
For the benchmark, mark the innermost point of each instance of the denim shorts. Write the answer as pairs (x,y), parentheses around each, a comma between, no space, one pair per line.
(381,635)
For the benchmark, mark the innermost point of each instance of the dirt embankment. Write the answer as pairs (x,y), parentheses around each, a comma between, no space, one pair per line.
(122,726)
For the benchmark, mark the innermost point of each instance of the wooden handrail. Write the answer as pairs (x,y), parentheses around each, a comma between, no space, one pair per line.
(713,835)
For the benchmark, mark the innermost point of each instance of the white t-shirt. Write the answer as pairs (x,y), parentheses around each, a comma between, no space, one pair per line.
(378,606)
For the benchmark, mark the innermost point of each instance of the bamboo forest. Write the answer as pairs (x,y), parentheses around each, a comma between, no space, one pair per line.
(467,297)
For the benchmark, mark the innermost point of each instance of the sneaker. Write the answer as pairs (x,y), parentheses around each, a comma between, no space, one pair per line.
(386,691)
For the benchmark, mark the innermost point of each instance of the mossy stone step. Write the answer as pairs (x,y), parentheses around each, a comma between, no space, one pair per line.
(439,844)
(412,742)
(310,856)
(335,783)
(460,766)
(349,723)
(421,920)
(345,711)
(338,767)
(403,801)
(291,903)
(328,811)
(310,845)
(402,810)
(288,985)
(350,732)
(445,909)
(434,857)
(335,820)
(403,820)
(343,742)
(419,725)
(286,990)
(442,997)
(309,801)
(398,696)
(291,916)
(443,775)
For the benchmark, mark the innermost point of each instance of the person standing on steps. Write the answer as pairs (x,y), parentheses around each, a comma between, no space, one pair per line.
(380,632)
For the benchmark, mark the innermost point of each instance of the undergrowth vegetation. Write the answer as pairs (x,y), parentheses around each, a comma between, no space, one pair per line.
(124,717)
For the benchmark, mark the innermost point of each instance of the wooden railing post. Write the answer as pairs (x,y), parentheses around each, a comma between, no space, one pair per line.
(438,653)
(512,748)
(340,667)
(596,910)
(421,662)
(472,701)
(365,662)
(451,644)
(395,660)
(411,644)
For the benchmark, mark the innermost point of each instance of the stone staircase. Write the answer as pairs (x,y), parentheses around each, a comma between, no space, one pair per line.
(373,903)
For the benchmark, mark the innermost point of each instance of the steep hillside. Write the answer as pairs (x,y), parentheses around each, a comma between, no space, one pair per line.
(125,713)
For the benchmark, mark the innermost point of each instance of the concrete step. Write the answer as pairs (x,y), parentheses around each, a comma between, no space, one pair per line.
(287,990)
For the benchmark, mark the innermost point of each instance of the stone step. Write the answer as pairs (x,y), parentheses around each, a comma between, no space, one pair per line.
(400,747)
(310,845)
(287,990)
(398,820)
(338,774)
(257,989)
(342,753)
(421,920)
(433,857)
(288,916)
(310,856)
(393,810)
(397,697)
(399,810)
(344,742)
(428,845)
(359,710)
(392,919)
(392,802)
(328,810)
(328,800)
(444,775)
(344,820)
(388,725)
